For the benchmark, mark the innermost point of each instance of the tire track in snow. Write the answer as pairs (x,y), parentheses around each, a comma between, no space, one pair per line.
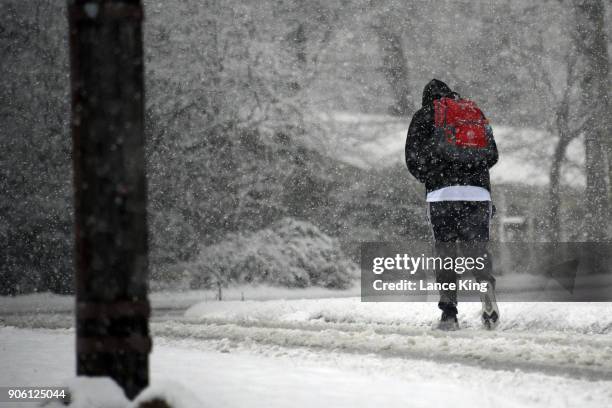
(540,337)
(577,358)
(576,355)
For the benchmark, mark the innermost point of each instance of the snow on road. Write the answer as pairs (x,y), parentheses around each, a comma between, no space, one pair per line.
(570,339)
(230,380)
(226,375)
(342,352)
(586,318)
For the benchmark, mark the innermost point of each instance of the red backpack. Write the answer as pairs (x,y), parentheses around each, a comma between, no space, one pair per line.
(462,129)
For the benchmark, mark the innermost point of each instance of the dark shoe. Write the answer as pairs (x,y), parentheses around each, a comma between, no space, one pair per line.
(449,321)
(490,319)
(490,311)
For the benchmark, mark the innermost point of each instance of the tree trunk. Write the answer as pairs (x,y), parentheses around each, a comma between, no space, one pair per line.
(298,38)
(110,191)
(592,46)
(395,70)
(554,189)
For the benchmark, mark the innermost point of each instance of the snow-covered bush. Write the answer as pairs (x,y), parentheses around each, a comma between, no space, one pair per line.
(167,394)
(289,253)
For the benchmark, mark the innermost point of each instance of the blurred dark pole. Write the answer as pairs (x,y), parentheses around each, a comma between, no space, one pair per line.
(110,191)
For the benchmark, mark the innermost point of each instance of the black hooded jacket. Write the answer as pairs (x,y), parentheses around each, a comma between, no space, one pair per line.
(421,158)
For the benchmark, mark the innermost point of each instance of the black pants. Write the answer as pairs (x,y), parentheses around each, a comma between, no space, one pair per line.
(454,223)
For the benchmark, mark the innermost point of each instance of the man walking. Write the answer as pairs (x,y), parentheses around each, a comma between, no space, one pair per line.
(450,148)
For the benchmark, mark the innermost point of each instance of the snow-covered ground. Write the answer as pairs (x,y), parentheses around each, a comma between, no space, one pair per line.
(341,352)
(239,375)
(582,318)
(49,302)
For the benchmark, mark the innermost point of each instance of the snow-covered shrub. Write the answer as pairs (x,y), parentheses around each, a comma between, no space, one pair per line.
(289,253)
(166,394)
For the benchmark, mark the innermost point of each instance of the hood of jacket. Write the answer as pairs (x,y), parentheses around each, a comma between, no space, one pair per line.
(435,89)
